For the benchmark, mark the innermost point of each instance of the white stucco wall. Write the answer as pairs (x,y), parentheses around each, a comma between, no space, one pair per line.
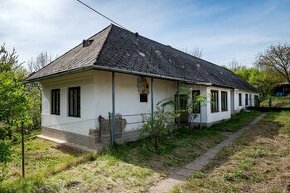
(220,115)
(128,98)
(251,99)
(80,125)
(96,99)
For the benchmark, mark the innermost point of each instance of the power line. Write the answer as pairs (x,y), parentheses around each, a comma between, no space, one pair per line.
(101,14)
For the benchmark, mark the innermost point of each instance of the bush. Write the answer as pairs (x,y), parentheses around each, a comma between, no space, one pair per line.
(158,126)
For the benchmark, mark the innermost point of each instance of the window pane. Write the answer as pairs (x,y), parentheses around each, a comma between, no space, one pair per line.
(214,101)
(240,99)
(74,102)
(143,98)
(224,100)
(55,101)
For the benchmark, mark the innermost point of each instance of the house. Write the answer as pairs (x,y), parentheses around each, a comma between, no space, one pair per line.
(282,89)
(120,75)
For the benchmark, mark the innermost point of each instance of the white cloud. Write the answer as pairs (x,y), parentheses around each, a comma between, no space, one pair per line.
(32,26)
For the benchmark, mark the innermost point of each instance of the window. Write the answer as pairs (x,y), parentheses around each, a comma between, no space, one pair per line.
(55,101)
(143,98)
(74,102)
(240,99)
(246,99)
(196,105)
(214,101)
(256,100)
(224,97)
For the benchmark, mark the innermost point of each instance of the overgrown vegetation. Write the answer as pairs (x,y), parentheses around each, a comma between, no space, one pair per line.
(130,167)
(271,67)
(263,80)
(276,101)
(168,110)
(20,103)
(257,162)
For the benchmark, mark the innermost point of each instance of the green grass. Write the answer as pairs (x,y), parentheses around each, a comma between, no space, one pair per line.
(41,158)
(276,102)
(238,121)
(131,167)
(258,162)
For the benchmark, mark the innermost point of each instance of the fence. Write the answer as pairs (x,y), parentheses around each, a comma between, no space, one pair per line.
(116,132)
(94,132)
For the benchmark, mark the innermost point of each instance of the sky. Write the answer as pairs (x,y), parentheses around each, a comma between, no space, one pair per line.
(225,30)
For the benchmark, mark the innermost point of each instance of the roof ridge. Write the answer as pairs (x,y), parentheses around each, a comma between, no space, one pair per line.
(100,52)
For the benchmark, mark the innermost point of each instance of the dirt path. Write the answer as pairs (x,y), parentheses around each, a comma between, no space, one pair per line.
(181,175)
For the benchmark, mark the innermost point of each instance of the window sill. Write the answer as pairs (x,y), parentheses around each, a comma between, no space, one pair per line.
(215,111)
(225,110)
(54,114)
(74,116)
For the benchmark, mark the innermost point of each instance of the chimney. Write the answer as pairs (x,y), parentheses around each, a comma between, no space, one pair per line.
(87,43)
(136,34)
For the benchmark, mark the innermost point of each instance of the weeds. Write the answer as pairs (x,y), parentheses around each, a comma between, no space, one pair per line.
(257,162)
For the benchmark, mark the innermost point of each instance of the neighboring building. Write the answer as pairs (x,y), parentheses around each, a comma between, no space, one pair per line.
(282,89)
(125,74)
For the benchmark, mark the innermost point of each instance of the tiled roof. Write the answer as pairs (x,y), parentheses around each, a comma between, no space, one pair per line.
(118,49)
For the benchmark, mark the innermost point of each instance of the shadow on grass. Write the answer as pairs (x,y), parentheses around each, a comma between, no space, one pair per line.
(174,152)
(182,148)
(69,150)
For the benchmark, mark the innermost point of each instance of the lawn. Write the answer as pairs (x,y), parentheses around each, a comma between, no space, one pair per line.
(41,159)
(258,162)
(131,167)
(276,102)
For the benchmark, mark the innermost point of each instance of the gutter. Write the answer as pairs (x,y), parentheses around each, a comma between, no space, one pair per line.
(110,69)
(104,68)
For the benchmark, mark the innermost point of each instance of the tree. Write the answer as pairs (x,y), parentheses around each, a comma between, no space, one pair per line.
(41,60)
(234,65)
(276,58)
(197,52)
(263,80)
(13,105)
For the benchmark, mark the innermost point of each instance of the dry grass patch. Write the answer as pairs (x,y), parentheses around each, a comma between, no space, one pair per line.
(42,158)
(131,167)
(258,162)
(277,102)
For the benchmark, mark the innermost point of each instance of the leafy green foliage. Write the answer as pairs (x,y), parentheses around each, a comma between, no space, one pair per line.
(4,158)
(162,123)
(159,126)
(264,80)
(18,105)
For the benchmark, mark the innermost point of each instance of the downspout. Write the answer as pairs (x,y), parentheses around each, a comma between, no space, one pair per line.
(152,100)
(178,101)
(113,124)
(40,106)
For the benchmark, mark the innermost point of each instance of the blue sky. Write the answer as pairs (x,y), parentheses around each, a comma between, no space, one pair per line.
(224,29)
